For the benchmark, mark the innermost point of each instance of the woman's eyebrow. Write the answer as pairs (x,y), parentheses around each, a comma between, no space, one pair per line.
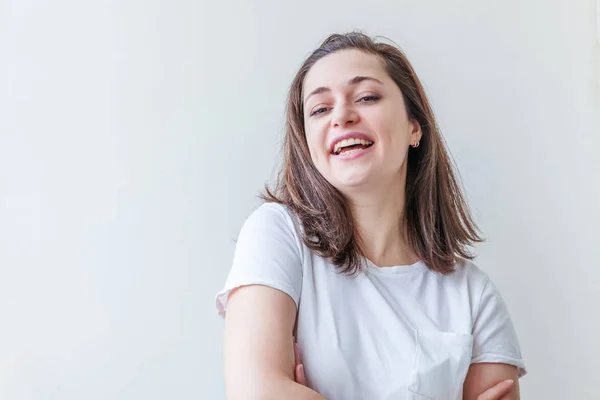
(354,81)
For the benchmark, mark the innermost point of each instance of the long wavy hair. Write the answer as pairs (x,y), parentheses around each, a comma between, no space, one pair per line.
(436,219)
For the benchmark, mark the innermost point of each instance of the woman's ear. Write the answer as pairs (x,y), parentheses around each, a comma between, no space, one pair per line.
(416,132)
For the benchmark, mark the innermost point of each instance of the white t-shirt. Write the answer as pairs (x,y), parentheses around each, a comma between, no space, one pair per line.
(400,332)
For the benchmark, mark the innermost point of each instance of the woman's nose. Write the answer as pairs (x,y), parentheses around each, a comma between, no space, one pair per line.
(343,116)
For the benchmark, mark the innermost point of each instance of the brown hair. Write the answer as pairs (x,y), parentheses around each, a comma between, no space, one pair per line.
(436,218)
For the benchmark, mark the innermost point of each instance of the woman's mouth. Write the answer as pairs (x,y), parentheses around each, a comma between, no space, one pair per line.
(353,152)
(351,146)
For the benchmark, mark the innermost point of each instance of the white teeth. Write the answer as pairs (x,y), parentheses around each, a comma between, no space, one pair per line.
(349,142)
(351,151)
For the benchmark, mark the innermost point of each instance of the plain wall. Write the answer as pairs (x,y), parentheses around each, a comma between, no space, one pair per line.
(134,136)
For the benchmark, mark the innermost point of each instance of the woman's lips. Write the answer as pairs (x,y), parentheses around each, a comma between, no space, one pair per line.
(349,135)
(353,154)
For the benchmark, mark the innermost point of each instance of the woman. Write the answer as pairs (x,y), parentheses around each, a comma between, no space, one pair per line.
(360,254)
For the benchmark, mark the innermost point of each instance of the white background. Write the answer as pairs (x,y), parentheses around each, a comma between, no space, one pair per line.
(134,136)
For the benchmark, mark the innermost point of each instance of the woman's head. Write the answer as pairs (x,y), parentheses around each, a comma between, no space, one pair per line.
(349,94)
(354,87)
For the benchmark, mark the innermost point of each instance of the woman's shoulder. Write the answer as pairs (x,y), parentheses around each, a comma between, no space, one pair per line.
(272,218)
(471,269)
(272,215)
(467,273)
(468,282)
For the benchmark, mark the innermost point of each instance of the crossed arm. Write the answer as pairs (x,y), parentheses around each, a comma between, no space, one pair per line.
(260,361)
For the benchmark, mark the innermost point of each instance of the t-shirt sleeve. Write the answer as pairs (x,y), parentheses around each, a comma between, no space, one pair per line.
(494,337)
(267,253)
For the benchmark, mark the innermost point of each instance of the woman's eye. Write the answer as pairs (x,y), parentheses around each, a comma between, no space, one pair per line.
(368,98)
(318,111)
(365,99)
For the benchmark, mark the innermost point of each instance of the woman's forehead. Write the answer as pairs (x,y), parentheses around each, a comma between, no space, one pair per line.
(340,67)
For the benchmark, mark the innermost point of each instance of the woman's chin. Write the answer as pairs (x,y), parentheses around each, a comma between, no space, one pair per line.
(355,182)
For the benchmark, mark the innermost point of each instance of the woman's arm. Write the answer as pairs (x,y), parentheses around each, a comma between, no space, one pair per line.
(258,346)
(483,376)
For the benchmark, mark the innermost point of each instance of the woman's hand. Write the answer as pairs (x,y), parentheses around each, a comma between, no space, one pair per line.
(498,391)
(491,381)
(299,367)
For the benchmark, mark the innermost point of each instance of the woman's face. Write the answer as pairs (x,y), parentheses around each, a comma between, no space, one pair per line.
(349,95)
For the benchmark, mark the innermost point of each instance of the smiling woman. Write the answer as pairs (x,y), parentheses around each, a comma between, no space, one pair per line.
(360,255)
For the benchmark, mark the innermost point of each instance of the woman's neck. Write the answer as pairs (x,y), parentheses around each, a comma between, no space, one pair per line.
(378,216)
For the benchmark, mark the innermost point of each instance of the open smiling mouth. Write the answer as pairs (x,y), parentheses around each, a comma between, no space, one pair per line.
(350,146)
